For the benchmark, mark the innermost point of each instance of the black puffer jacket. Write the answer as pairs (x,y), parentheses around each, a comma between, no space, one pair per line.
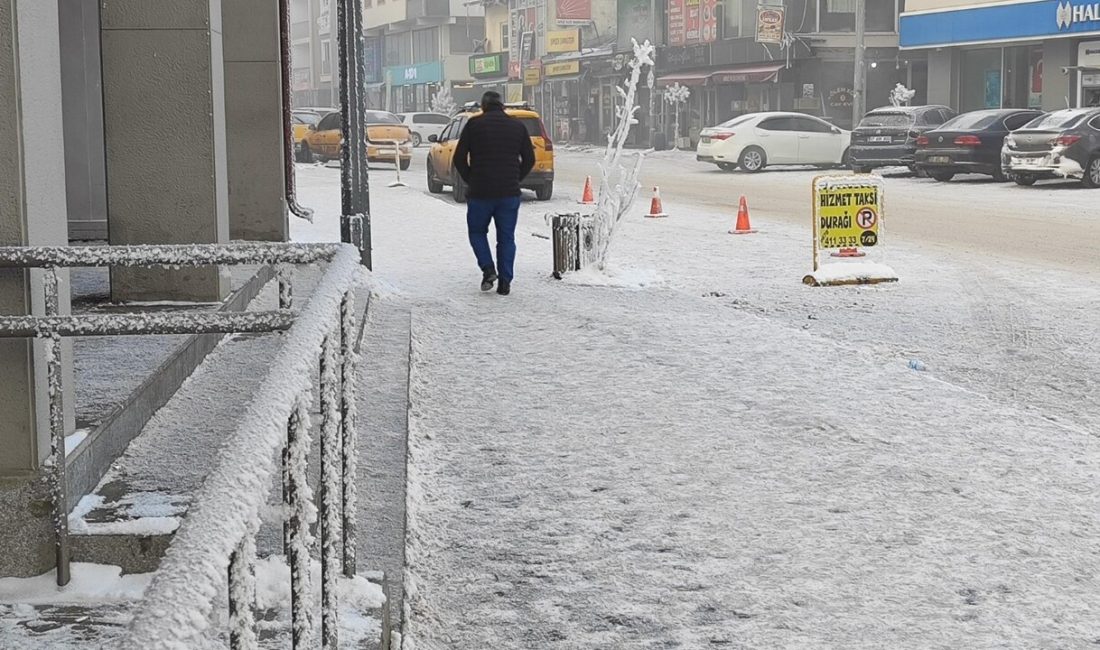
(493,155)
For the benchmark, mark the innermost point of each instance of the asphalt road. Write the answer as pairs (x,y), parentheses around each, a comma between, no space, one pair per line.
(1053,224)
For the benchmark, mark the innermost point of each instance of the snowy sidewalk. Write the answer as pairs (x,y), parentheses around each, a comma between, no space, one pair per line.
(700,464)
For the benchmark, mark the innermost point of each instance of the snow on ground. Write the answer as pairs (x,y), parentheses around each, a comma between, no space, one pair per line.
(719,456)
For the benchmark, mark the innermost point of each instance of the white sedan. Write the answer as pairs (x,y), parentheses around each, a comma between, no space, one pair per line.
(423,125)
(757,140)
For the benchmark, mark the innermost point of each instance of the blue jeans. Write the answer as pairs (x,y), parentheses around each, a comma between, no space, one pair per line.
(505,213)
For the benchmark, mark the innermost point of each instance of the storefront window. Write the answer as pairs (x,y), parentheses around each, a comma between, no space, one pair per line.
(1023,77)
(980,81)
(731,20)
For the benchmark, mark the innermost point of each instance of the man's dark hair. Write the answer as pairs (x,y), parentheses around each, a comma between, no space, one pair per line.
(491,101)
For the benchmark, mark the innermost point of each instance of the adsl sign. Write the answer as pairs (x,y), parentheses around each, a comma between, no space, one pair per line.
(1070,14)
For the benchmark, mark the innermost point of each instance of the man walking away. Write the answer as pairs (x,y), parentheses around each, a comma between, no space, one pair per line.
(494,154)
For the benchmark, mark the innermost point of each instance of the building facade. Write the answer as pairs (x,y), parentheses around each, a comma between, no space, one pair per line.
(313,53)
(418,47)
(992,54)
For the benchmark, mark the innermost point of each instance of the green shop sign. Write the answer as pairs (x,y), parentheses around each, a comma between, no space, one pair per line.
(412,75)
(488,65)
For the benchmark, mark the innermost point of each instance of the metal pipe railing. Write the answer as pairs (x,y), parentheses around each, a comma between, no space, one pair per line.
(215,544)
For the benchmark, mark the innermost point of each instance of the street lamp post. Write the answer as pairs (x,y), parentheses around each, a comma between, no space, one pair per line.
(859,98)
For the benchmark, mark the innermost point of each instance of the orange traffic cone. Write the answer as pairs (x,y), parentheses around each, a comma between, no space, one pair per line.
(655,209)
(742,227)
(586,197)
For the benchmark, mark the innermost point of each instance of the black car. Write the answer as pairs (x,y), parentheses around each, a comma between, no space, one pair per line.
(1062,144)
(970,143)
(887,137)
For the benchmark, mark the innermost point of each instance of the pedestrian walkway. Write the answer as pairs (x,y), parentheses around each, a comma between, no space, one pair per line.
(595,466)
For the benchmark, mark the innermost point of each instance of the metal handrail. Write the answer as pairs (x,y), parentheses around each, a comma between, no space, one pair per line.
(216,540)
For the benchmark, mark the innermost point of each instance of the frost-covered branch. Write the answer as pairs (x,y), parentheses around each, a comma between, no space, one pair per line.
(619,184)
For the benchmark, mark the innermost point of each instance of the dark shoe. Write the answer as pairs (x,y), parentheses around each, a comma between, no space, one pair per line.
(504,288)
(489,276)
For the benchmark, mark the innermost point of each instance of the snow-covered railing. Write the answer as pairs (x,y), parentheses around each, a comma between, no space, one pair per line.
(215,544)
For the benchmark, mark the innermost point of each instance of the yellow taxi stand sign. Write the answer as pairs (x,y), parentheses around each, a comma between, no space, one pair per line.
(847,219)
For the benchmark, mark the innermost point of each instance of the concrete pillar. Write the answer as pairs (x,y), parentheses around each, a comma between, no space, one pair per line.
(1059,89)
(254,120)
(164,116)
(943,79)
(82,105)
(32,212)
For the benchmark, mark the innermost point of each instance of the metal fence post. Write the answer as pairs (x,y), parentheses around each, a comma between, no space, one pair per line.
(57,431)
(348,433)
(297,526)
(330,479)
(242,594)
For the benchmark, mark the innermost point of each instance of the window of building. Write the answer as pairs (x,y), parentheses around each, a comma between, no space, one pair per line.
(326,57)
(805,16)
(730,19)
(1001,77)
(425,45)
(504,42)
(466,37)
(399,48)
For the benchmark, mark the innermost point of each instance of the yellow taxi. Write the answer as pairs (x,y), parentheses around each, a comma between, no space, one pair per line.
(441,169)
(384,129)
(300,121)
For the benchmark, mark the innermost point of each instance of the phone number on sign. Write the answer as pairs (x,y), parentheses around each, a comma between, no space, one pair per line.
(829,241)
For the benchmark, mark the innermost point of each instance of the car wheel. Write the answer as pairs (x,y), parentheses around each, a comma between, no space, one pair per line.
(845,158)
(752,159)
(304,154)
(942,177)
(859,169)
(458,190)
(545,193)
(1024,179)
(727,167)
(434,186)
(1092,173)
(416,139)
(918,171)
(405,163)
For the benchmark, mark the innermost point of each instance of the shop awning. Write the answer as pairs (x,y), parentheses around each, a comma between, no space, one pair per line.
(686,79)
(491,82)
(746,74)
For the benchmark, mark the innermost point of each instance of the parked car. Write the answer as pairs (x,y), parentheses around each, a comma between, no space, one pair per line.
(970,143)
(1062,144)
(887,137)
(754,141)
(423,125)
(300,121)
(323,141)
(441,169)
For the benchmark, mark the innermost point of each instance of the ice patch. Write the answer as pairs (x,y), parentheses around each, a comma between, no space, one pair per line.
(73,440)
(91,583)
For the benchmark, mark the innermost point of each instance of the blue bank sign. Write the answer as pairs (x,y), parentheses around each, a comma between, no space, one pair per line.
(412,75)
(1000,22)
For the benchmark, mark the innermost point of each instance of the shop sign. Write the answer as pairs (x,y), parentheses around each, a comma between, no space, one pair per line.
(487,65)
(692,21)
(769,24)
(532,76)
(513,93)
(574,12)
(514,69)
(563,68)
(687,57)
(999,21)
(563,40)
(413,75)
(1070,13)
(840,97)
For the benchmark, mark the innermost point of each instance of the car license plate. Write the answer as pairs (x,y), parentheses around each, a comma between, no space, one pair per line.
(1017,160)
(879,138)
(939,160)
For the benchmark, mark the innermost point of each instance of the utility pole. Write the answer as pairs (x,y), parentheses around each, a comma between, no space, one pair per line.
(859,99)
